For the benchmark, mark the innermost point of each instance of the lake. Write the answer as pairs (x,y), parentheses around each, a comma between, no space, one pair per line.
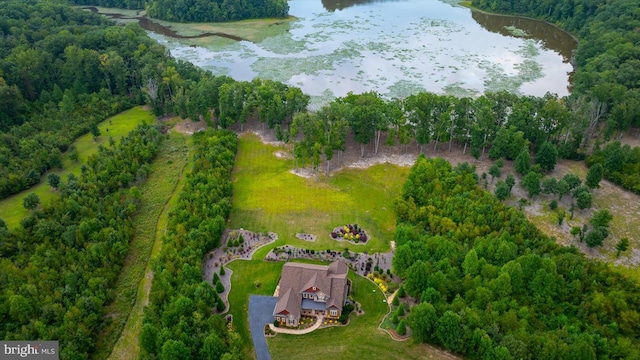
(396,48)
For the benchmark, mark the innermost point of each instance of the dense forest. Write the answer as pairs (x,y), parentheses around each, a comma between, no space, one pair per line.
(57,269)
(62,71)
(200,10)
(491,286)
(178,323)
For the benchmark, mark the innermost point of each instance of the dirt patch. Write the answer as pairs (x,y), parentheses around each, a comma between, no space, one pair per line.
(306,237)
(189,127)
(282,155)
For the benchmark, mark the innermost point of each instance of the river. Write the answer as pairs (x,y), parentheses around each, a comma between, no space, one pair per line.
(396,48)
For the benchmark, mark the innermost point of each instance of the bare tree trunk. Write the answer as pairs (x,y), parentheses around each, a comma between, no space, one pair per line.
(483,146)
(464,151)
(361,150)
(450,135)
(596,111)
(327,167)
(377,142)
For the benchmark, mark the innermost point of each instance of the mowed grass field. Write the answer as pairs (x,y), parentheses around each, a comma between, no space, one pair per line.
(160,187)
(114,127)
(268,197)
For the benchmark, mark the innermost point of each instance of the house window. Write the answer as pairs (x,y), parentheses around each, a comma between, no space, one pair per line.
(333,312)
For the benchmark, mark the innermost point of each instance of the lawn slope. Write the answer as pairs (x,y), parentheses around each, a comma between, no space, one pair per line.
(267,197)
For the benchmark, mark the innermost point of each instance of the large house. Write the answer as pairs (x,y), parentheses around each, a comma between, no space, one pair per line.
(313,290)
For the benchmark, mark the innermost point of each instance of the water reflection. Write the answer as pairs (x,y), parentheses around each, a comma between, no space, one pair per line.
(551,37)
(333,5)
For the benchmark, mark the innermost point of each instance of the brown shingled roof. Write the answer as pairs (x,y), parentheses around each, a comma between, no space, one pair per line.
(298,277)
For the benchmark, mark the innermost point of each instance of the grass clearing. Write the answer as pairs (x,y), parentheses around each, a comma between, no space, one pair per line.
(166,172)
(267,197)
(246,275)
(114,127)
(254,30)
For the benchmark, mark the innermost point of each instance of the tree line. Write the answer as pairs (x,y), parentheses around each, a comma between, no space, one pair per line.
(492,286)
(62,71)
(500,125)
(608,55)
(58,268)
(200,10)
(178,323)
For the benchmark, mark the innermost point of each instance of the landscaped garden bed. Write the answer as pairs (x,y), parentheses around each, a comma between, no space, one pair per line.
(305,322)
(351,233)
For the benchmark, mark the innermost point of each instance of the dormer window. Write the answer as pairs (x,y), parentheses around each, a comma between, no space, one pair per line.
(314,288)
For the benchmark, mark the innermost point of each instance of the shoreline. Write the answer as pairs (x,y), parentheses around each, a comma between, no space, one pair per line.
(168,28)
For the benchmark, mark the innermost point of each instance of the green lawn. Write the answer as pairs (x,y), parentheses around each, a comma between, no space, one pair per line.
(361,337)
(267,197)
(245,276)
(115,127)
(166,171)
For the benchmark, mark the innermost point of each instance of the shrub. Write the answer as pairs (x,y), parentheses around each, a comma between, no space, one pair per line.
(401,292)
(222,270)
(220,306)
(395,301)
(400,311)
(346,310)
(553,204)
(219,287)
(402,328)
(394,319)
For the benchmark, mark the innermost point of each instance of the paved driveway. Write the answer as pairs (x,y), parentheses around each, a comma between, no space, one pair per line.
(260,313)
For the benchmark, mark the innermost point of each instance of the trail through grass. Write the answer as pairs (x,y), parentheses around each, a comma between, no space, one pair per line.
(114,127)
(267,197)
(134,279)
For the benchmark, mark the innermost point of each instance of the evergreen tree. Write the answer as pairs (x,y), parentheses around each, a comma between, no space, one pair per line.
(503,190)
(523,162)
(547,156)
(531,182)
(402,327)
(594,176)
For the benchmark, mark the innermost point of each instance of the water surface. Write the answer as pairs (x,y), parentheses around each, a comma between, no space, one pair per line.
(395,47)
